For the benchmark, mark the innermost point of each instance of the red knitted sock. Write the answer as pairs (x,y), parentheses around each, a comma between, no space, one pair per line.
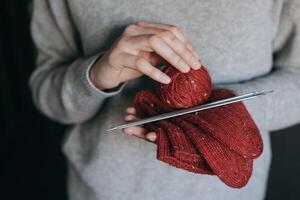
(164,153)
(230,167)
(222,141)
(181,147)
(231,125)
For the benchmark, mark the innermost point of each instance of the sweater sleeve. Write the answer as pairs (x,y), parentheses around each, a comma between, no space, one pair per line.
(60,83)
(279,109)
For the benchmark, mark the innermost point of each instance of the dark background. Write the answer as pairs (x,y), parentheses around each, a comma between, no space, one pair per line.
(32,165)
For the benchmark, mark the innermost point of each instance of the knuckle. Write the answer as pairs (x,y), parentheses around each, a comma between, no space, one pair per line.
(130,29)
(174,28)
(140,23)
(178,60)
(188,57)
(171,54)
(182,50)
(168,35)
(154,39)
(121,44)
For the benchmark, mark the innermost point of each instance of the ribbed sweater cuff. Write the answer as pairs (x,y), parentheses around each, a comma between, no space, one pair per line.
(86,84)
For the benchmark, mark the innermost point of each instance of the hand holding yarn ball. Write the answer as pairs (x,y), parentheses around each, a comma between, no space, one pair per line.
(222,141)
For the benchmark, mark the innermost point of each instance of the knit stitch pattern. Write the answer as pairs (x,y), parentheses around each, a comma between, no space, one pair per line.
(221,141)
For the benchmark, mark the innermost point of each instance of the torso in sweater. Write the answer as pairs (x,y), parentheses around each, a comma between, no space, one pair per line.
(236,40)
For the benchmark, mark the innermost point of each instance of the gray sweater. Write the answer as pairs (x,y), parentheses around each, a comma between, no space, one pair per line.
(246,46)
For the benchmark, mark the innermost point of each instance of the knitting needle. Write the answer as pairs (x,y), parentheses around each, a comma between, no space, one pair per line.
(180,112)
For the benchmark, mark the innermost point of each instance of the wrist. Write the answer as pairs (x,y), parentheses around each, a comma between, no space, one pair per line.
(101,75)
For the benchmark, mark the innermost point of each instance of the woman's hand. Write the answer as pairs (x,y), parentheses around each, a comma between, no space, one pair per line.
(139,49)
(137,131)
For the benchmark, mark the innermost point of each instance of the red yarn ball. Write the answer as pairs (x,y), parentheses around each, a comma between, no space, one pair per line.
(186,89)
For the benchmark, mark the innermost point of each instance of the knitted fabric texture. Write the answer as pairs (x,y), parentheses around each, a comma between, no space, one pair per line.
(186,89)
(221,141)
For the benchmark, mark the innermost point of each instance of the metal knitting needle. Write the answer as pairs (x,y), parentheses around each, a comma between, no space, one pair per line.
(180,112)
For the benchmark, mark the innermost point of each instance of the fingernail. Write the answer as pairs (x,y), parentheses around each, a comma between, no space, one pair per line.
(185,67)
(151,137)
(165,78)
(195,62)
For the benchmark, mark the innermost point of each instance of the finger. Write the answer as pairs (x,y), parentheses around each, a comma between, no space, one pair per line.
(155,43)
(165,51)
(184,50)
(191,48)
(129,118)
(134,30)
(153,58)
(172,28)
(137,131)
(169,27)
(181,49)
(151,136)
(130,110)
(151,71)
(142,65)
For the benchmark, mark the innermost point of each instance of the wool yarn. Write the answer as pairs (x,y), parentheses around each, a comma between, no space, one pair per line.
(221,141)
(186,89)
